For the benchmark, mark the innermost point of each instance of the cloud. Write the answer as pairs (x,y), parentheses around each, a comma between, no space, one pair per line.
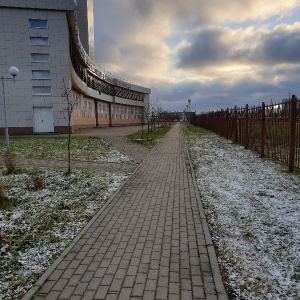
(280,46)
(213,52)
(222,46)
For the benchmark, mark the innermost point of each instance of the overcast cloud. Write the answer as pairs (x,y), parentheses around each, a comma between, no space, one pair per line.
(217,53)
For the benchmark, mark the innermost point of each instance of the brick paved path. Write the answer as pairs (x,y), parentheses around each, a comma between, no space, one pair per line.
(150,241)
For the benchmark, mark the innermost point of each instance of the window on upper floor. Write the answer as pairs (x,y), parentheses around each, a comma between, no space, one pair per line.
(41,90)
(38,23)
(78,104)
(41,74)
(39,57)
(39,40)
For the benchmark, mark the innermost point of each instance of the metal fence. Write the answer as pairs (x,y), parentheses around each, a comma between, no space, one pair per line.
(271,130)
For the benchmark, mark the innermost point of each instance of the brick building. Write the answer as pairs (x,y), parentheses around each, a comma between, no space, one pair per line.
(51,42)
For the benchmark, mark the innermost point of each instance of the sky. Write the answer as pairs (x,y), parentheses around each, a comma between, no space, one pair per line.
(218,53)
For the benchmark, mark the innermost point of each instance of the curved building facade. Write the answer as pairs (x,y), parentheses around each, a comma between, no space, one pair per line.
(51,43)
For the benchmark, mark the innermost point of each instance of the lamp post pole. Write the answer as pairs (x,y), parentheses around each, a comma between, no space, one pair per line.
(186,114)
(5,119)
(290,89)
(13,72)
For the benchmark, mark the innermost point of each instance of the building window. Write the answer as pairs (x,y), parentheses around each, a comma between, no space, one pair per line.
(41,90)
(77,104)
(39,57)
(38,23)
(39,41)
(41,74)
(89,106)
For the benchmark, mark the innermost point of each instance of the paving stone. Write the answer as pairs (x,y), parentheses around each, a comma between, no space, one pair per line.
(53,295)
(67,292)
(149,295)
(81,288)
(138,290)
(93,284)
(129,281)
(125,294)
(101,292)
(162,292)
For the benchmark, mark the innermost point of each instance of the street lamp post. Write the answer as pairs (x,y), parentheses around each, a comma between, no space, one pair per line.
(13,72)
(290,89)
(186,113)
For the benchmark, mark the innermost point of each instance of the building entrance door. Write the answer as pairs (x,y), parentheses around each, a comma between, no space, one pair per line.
(43,119)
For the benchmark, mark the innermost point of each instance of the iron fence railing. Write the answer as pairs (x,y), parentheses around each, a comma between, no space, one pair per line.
(271,130)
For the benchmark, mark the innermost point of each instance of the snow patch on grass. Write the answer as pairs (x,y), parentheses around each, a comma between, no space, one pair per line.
(253,210)
(44,221)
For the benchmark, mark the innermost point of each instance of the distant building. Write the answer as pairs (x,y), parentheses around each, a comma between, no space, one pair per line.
(52,41)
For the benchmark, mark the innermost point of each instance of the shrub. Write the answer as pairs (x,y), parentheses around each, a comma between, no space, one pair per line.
(5,203)
(4,246)
(2,189)
(37,180)
(10,162)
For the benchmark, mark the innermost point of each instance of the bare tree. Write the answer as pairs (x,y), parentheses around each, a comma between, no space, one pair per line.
(71,103)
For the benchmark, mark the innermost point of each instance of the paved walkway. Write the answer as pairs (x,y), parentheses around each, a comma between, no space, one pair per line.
(150,241)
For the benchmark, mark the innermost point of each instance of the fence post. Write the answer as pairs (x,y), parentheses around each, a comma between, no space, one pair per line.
(247,127)
(263,130)
(235,126)
(227,123)
(292,143)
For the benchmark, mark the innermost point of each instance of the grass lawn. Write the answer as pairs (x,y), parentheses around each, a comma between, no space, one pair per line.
(42,209)
(149,139)
(82,148)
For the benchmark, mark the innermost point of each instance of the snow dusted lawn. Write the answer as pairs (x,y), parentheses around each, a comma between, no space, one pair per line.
(43,222)
(38,223)
(253,210)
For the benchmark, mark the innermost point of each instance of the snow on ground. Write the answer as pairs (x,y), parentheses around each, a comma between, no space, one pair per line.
(253,210)
(252,206)
(42,222)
